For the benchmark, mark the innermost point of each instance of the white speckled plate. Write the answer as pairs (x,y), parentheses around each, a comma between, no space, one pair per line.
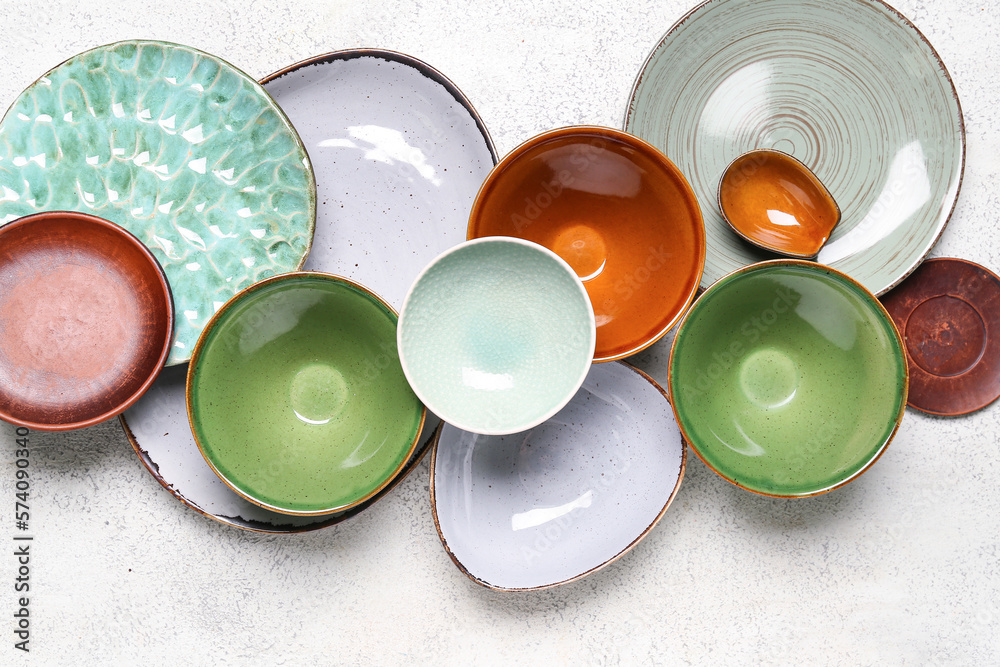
(384,212)
(849,87)
(399,155)
(548,506)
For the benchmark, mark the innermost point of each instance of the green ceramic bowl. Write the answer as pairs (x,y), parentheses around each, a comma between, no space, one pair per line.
(496,335)
(788,378)
(296,397)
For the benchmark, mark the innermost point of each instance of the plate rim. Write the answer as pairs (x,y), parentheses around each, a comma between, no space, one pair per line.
(255,526)
(405,59)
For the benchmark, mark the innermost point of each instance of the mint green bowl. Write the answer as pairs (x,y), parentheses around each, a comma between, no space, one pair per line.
(496,335)
(296,397)
(788,378)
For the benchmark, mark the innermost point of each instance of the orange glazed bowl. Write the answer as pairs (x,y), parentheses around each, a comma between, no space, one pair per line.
(618,211)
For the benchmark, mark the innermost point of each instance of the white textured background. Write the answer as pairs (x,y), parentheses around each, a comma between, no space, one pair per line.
(899,567)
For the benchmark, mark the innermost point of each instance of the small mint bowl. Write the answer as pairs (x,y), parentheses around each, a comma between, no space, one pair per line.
(496,335)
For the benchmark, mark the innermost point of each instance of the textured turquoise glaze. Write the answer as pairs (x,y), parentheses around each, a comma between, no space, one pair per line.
(848,87)
(178,147)
(788,379)
(496,335)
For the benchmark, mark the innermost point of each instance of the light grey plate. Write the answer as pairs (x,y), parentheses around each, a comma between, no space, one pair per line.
(551,505)
(849,87)
(399,155)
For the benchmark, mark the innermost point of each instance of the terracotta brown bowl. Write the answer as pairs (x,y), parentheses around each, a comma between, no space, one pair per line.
(86,319)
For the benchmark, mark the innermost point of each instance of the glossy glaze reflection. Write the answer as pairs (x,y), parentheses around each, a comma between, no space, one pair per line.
(544,507)
(296,397)
(850,87)
(399,154)
(788,378)
(496,335)
(86,320)
(774,201)
(618,211)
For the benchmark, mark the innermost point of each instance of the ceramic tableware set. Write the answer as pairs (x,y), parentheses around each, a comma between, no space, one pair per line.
(291,290)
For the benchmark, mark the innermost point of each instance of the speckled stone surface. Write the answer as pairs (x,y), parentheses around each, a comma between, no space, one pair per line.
(898,567)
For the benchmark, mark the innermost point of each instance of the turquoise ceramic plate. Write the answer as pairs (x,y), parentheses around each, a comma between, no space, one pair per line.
(788,378)
(178,147)
(849,87)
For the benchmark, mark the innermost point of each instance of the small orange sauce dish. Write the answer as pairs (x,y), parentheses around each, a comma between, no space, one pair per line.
(618,211)
(774,201)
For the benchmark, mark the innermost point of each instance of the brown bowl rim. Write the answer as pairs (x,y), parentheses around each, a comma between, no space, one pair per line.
(131,239)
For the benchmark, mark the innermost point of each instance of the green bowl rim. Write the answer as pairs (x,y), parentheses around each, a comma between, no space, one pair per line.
(356,287)
(816,268)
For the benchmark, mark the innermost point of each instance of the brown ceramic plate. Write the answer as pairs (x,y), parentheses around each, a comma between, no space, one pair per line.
(618,211)
(949,314)
(86,319)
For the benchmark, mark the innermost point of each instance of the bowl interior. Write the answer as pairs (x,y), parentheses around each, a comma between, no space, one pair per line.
(544,507)
(776,202)
(618,212)
(788,379)
(85,320)
(496,335)
(296,396)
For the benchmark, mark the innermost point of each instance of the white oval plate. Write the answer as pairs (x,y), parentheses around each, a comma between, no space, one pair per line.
(545,507)
(399,155)
(157,426)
